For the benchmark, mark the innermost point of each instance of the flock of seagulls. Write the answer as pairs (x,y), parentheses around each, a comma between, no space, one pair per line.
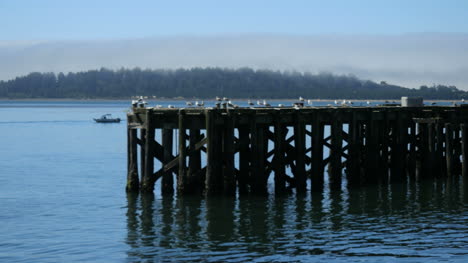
(139,101)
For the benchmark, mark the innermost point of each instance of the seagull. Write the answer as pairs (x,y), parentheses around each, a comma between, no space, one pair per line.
(218,98)
(171,106)
(266,104)
(368,102)
(301,98)
(200,104)
(259,103)
(309,102)
(250,103)
(189,103)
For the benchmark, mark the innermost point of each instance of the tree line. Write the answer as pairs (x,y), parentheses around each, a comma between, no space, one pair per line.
(210,82)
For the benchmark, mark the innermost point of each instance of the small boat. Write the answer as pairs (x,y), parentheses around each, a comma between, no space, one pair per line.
(107,118)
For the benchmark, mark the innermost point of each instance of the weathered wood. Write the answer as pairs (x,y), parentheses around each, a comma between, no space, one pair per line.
(377,141)
(244,160)
(279,162)
(449,148)
(372,152)
(213,173)
(317,154)
(258,156)
(229,181)
(133,182)
(141,142)
(352,164)
(335,165)
(182,181)
(167,183)
(299,144)
(147,182)
(439,151)
(464,150)
(194,178)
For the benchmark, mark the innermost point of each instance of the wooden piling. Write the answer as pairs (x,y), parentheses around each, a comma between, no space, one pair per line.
(317,154)
(213,183)
(464,150)
(147,182)
(352,164)
(449,148)
(229,181)
(133,182)
(335,165)
(244,160)
(167,183)
(299,144)
(278,160)
(182,175)
(194,176)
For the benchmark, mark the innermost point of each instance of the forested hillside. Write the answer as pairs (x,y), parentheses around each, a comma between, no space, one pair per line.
(208,83)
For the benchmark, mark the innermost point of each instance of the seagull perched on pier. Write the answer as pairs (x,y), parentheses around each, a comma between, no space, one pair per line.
(309,102)
(301,98)
(189,103)
(259,103)
(266,104)
(218,98)
(200,104)
(250,103)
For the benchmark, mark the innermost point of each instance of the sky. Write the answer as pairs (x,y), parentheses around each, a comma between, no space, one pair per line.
(53,35)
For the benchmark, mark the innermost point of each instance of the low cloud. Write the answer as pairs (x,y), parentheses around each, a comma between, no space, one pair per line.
(409,60)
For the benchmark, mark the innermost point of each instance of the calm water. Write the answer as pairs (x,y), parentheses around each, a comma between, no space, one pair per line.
(62,199)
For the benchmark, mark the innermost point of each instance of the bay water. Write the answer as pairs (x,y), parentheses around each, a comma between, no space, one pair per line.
(62,199)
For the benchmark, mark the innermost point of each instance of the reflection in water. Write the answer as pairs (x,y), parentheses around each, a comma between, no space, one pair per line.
(405,221)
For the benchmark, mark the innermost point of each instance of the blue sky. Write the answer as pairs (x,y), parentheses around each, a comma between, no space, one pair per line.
(94,19)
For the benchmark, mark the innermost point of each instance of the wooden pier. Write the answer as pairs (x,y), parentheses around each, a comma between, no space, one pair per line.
(236,150)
